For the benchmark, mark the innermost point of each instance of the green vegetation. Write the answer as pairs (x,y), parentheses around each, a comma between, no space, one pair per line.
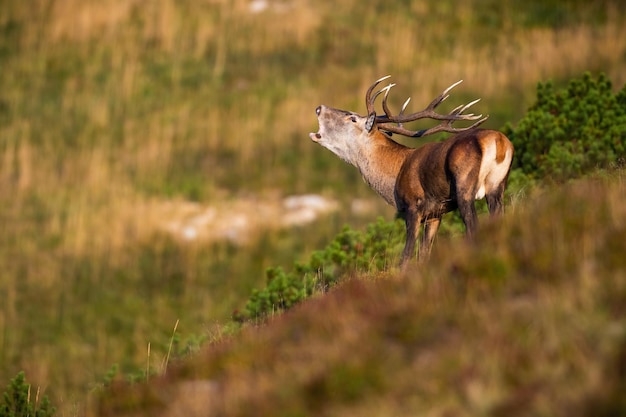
(118,119)
(350,252)
(17,401)
(571,132)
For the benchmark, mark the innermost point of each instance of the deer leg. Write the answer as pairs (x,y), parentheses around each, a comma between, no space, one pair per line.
(494,201)
(412,221)
(468,215)
(465,192)
(426,243)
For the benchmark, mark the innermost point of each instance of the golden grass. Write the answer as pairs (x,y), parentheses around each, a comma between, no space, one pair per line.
(508,65)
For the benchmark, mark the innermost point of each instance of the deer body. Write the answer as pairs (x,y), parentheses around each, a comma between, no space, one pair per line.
(421,183)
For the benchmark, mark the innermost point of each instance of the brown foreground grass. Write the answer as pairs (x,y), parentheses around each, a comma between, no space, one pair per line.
(529,320)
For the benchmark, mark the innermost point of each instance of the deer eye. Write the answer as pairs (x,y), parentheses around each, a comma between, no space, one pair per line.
(353,119)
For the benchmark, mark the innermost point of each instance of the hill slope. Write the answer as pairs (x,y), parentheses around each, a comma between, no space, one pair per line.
(529,320)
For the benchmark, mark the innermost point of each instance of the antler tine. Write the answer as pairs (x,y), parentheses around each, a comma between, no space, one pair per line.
(442,97)
(460,109)
(369,100)
(447,90)
(382,90)
(376,94)
(386,89)
(406,103)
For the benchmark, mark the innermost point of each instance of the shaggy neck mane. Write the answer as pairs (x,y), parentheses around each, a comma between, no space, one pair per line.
(381,165)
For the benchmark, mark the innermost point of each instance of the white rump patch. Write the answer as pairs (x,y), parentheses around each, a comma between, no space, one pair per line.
(491,173)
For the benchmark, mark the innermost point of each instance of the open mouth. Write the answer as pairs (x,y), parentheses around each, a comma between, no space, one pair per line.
(315,137)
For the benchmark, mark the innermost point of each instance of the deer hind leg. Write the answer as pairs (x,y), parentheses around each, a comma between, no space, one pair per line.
(431,226)
(494,199)
(465,195)
(413,221)
(468,215)
(465,203)
(494,202)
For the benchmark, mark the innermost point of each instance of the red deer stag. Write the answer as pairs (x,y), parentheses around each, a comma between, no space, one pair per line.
(421,183)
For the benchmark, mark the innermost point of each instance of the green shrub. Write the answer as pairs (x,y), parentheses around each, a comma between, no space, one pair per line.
(570,132)
(349,252)
(16,401)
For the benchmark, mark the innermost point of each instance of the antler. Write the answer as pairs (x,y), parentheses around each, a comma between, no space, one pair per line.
(369,100)
(394,124)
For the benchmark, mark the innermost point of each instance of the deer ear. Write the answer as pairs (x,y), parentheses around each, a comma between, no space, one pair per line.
(369,123)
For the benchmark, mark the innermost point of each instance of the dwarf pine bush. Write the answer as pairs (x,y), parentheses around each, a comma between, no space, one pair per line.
(17,401)
(569,132)
(349,251)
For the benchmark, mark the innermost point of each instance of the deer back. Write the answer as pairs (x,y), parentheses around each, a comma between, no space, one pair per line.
(476,161)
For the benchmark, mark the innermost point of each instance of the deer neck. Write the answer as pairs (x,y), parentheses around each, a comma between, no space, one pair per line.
(380,165)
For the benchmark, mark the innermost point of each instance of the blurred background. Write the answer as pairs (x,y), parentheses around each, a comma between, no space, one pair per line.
(155,159)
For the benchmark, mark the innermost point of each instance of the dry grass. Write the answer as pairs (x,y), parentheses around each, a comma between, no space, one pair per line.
(502,68)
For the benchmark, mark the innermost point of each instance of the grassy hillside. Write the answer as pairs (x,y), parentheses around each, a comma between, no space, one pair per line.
(120,118)
(529,320)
